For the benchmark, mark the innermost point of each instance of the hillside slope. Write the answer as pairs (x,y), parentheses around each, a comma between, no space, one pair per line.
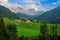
(5,12)
(52,16)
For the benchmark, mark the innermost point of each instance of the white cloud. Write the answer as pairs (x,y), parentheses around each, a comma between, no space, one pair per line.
(5,1)
(43,0)
(32,4)
(54,3)
(28,0)
(29,4)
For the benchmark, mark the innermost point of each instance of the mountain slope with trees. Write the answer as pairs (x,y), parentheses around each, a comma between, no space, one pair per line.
(5,12)
(52,16)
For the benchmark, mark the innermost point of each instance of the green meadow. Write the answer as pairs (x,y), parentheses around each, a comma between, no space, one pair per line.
(29,29)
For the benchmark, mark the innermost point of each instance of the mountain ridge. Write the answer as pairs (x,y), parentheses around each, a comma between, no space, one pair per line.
(52,16)
(5,12)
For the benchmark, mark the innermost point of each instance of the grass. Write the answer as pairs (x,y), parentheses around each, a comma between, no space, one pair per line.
(29,29)
(26,29)
(27,32)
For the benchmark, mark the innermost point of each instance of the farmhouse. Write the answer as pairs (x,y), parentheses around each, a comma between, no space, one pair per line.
(28,21)
(23,20)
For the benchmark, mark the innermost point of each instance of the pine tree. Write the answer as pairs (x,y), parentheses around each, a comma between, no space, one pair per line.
(12,31)
(3,33)
(44,31)
(54,32)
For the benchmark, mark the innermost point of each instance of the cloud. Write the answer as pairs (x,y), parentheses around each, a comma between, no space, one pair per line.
(54,3)
(28,0)
(58,1)
(27,4)
(32,4)
(5,1)
(43,0)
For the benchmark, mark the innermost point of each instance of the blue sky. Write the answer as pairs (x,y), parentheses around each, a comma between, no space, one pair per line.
(37,4)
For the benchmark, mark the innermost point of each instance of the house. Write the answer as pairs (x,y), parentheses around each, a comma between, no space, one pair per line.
(19,20)
(28,21)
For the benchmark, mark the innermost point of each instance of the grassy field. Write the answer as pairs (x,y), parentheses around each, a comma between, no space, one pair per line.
(26,29)
(29,29)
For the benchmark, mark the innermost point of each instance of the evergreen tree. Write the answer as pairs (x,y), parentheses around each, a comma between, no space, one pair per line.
(3,33)
(12,31)
(54,32)
(44,31)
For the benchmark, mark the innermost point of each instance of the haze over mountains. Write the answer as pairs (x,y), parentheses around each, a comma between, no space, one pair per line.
(30,12)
